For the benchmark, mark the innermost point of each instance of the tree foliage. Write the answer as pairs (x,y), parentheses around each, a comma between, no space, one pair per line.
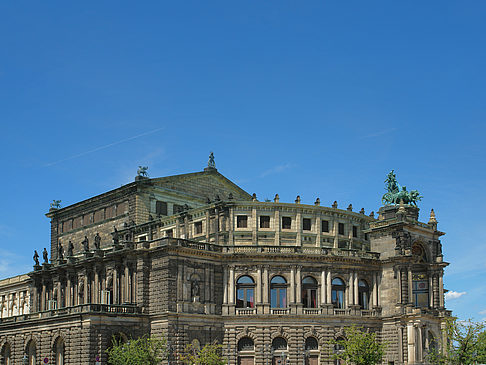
(465,343)
(359,347)
(141,351)
(210,354)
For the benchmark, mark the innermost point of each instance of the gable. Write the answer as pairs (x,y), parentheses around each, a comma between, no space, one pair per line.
(206,184)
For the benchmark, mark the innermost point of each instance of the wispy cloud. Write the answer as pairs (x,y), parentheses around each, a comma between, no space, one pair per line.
(454,294)
(9,264)
(277,169)
(377,133)
(103,147)
(483,312)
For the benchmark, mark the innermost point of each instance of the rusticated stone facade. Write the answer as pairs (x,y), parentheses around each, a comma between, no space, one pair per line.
(194,257)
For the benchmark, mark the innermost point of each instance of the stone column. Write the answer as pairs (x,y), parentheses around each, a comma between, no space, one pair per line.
(276,221)
(68,291)
(231,285)
(400,344)
(323,287)
(43,298)
(225,285)
(411,343)
(208,225)
(116,299)
(350,290)
(216,228)
(231,222)
(126,297)
(336,235)
(265,285)
(96,291)
(356,299)
(329,288)
(298,279)
(298,224)
(431,292)
(86,299)
(258,295)
(441,291)
(318,230)
(292,285)
(373,292)
(410,298)
(254,226)
(418,345)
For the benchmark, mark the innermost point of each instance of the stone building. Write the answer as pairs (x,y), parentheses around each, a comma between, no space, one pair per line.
(194,257)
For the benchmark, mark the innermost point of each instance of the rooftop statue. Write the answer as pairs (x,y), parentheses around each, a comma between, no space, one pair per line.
(142,171)
(56,204)
(395,192)
(211,162)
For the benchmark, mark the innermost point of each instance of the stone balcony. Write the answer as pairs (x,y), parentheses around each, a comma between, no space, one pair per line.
(323,311)
(109,309)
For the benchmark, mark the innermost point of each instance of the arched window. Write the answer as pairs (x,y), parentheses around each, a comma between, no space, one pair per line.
(279,344)
(245,292)
(278,292)
(311,343)
(364,294)
(59,351)
(419,253)
(6,354)
(246,344)
(338,288)
(31,352)
(245,349)
(432,343)
(309,292)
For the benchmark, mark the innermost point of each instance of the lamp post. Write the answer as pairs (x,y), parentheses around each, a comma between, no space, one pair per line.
(25,360)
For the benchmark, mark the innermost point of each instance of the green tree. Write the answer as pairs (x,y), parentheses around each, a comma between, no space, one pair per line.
(210,354)
(141,351)
(465,343)
(359,347)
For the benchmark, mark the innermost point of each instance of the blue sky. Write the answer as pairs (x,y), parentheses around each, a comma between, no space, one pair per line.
(307,98)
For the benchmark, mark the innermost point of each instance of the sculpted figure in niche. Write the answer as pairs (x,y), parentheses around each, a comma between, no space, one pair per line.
(60,252)
(70,249)
(85,244)
(36,258)
(97,241)
(195,288)
(45,255)
(116,237)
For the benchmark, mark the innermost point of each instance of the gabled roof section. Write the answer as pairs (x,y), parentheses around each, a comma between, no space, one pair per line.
(205,184)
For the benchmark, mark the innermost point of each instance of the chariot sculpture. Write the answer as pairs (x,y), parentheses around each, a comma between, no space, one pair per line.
(396,193)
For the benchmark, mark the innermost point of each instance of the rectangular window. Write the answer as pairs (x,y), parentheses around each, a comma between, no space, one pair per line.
(355,231)
(341,228)
(306,224)
(325,226)
(198,228)
(264,221)
(241,221)
(160,208)
(286,222)
(366,236)
(170,233)
(177,209)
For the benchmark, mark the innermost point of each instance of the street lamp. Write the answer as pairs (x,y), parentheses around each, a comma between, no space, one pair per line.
(25,360)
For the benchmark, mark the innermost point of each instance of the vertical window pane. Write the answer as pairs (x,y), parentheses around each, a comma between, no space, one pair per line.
(249,298)
(313,298)
(283,298)
(273,298)
(240,298)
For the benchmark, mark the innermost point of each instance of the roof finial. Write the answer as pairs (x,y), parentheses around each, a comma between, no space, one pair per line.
(276,199)
(432,218)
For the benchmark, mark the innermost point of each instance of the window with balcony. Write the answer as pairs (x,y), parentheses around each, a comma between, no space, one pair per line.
(337,293)
(363,294)
(309,292)
(286,223)
(245,292)
(264,221)
(306,224)
(278,292)
(241,221)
